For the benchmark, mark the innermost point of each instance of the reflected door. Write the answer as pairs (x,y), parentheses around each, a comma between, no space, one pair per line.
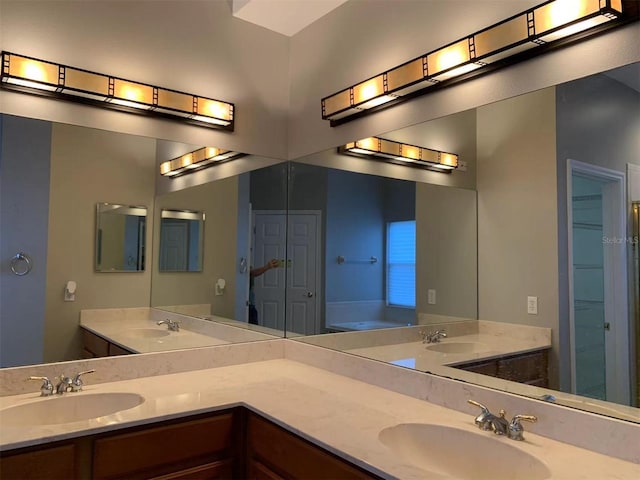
(598,307)
(302,275)
(267,291)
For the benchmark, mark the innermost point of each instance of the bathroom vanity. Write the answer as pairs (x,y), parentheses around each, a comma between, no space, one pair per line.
(324,408)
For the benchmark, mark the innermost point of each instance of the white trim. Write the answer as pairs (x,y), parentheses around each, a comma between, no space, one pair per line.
(615,268)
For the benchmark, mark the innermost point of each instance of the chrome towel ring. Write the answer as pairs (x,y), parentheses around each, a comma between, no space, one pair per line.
(21,264)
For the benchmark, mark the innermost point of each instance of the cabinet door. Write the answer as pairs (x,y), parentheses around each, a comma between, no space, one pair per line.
(211,471)
(94,344)
(41,464)
(168,449)
(281,454)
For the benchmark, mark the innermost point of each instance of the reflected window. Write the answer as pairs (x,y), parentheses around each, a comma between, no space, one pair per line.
(401,263)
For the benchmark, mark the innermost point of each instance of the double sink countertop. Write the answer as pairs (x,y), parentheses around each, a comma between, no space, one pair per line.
(343,415)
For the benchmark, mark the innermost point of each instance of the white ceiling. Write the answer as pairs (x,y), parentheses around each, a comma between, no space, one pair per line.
(287,17)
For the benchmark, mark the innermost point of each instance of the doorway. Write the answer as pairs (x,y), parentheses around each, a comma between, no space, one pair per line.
(598,308)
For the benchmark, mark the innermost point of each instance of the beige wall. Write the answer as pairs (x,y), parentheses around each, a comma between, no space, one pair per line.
(446,251)
(90,166)
(188,45)
(219,202)
(517,212)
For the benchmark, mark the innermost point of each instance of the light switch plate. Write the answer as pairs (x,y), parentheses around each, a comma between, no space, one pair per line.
(532,305)
(431,296)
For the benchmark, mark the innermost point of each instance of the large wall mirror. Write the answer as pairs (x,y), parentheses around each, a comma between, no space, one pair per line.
(556,174)
(487,237)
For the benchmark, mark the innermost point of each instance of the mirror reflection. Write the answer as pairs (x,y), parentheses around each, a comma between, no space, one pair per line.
(181,241)
(492,257)
(556,174)
(120,237)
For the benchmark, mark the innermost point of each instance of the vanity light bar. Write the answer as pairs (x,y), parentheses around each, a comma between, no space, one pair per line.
(403,153)
(202,158)
(549,25)
(31,75)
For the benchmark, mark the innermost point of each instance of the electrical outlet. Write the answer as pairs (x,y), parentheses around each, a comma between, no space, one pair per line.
(431,296)
(532,305)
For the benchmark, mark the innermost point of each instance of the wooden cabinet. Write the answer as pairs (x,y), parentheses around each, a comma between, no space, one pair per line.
(202,448)
(94,346)
(40,463)
(233,444)
(274,453)
(531,368)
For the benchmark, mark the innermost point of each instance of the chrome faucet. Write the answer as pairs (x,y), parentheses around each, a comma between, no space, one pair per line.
(433,337)
(68,384)
(515,427)
(499,424)
(174,326)
(46,389)
(64,385)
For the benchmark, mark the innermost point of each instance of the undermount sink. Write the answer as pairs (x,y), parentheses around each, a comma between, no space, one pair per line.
(72,407)
(461,454)
(147,333)
(458,347)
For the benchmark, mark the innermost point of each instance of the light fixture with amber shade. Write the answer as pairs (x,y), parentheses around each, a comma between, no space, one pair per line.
(31,75)
(540,29)
(401,153)
(198,159)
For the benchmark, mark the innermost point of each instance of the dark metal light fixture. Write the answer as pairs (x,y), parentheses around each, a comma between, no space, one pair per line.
(537,30)
(31,75)
(198,159)
(402,153)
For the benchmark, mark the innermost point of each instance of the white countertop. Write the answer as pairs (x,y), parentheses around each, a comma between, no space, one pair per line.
(124,335)
(421,356)
(336,412)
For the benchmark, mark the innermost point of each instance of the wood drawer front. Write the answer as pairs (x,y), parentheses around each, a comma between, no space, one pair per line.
(116,350)
(256,470)
(162,450)
(485,368)
(222,470)
(292,457)
(524,368)
(45,464)
(95,344)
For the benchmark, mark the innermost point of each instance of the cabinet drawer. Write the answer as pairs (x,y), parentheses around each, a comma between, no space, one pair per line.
(278,453)
(211,471)
(153,452)
(94,344)
(485,368)
(524,368)
(44,464)
(116,350)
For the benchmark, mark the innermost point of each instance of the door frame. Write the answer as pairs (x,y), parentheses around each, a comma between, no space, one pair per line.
(614,202)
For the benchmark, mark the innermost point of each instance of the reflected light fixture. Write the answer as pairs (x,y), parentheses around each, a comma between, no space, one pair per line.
(198,159)
(401,153)
(530,33)
(40,77)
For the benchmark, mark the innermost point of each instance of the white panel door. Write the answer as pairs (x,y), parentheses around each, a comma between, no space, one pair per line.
(302,274)
(268,292)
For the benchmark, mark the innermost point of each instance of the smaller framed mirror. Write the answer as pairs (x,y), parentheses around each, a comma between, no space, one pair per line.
(120,237)
(181,241)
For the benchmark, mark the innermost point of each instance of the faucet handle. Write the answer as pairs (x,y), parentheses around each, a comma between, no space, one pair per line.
(77,383)
(515,427)
(483,421)
(46,389)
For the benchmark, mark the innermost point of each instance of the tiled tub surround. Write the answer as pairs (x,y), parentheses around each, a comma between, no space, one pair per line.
(319,394)
(119,326)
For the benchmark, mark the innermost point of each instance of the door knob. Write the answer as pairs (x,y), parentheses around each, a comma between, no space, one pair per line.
(607,326)
(309,294)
